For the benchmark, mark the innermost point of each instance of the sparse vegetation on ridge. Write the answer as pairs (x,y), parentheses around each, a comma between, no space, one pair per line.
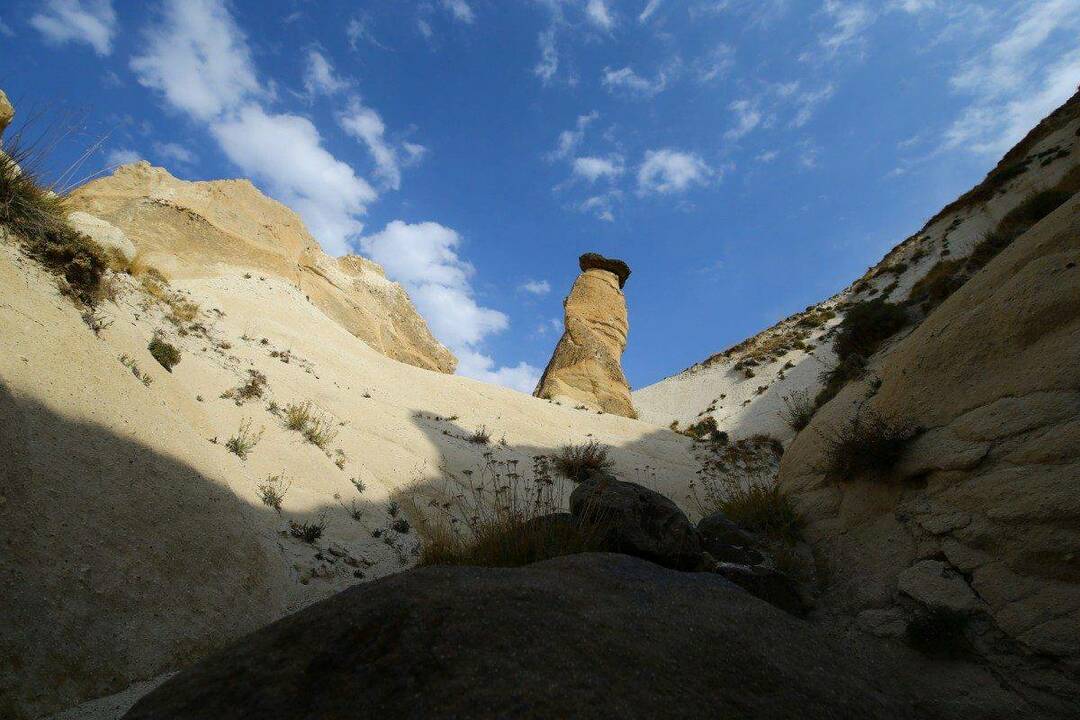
(37,218)
(317,427)
(309,532)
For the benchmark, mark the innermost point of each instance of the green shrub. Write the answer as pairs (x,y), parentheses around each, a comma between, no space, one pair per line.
(38,219)
(867,445)
(765,509)
(164,352)
(940,282)
(706,429)
(297,416)
(309,532)
(577,462)
(866,326)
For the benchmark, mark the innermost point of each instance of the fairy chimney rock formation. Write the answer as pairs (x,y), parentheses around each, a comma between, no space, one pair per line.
(586,366)
(7,112)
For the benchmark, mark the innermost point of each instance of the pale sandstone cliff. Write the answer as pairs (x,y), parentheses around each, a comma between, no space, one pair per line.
(586,365)
(206,229)
(982,515)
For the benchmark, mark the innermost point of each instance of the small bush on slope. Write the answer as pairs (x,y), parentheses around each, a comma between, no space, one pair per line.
(864,328)
(798,409)
(38,219)
(496,517)
(576,462)
(164,352)
(867,445)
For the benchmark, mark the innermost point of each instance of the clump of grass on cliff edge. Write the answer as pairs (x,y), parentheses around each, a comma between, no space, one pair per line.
(37,217)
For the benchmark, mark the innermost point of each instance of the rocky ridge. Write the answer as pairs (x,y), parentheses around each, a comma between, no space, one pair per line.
(206,229)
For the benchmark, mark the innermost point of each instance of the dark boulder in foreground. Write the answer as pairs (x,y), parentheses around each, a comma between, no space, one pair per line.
(635,520)
(584,636)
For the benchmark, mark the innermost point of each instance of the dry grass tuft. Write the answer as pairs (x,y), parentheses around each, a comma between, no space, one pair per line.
(38,219)
(495,517)
(272,491)
(244,441)
(739,480)
(867,445)
(799,408)
(577,462)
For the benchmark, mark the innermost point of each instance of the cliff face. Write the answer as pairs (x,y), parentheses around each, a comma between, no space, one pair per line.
(586,365)
(207,229)
(980,517)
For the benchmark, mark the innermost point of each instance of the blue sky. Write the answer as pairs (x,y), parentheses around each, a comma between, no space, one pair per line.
(745,157)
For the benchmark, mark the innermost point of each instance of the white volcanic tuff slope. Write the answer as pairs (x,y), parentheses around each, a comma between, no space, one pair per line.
(745,405)
(207,229)
(150,543)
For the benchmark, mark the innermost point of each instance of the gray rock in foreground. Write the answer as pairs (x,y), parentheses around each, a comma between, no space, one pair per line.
(585,636)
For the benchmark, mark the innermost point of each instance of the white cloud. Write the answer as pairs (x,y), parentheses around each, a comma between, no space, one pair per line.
(627,81)
(460,10)
(849,19)
(767,156)
(299,171)
(1011,89)
(198,59)
(122,156)
(522,377)
(425,28)
(716,63)
(535,287)
(747,117)
(319,77)
(808,102)
(365,124)
(88,21)
(599,14)
(424,258)
(414,153)
(594,168)
(666,171)
(6,30)
(569,140)
(174,151)
(548,64)
(650,8)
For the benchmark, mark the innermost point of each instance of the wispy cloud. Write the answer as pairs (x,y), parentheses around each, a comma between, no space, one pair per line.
(850,20)
(175,152)
(649,10)
(747,117)
(627,82)
(83,21)
(460,11)
(1014,83)
(548,64)
(320,78)
(599,14)
(570,140)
